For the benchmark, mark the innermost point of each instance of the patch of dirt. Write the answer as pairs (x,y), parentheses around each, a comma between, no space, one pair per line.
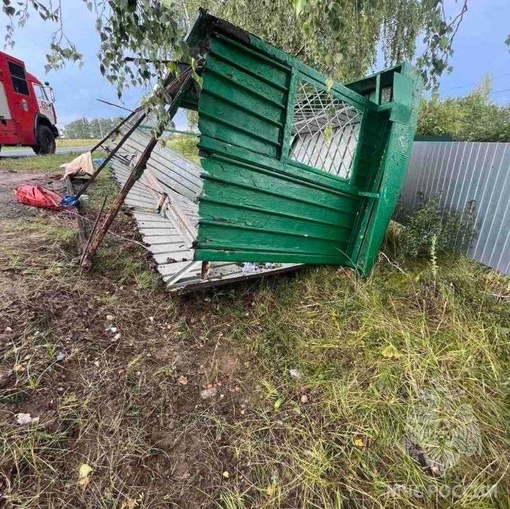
(115,375)
(11,180)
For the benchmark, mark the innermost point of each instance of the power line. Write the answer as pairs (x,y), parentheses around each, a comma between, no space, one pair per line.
(477,83)
(501,90)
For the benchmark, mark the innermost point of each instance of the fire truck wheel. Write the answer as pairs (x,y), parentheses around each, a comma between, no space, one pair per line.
(45,141)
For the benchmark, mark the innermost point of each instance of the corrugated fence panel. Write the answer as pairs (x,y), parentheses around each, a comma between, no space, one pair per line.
(459,173)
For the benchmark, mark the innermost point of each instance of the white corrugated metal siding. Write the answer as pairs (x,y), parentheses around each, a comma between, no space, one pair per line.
(458,173)
(170,233)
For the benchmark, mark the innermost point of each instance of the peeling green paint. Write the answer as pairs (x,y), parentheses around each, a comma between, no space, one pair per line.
(263,200)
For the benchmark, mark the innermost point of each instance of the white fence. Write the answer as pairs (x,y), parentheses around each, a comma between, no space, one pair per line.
(460,172)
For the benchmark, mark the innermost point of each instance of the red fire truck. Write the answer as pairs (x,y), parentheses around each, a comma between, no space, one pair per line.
(27,114)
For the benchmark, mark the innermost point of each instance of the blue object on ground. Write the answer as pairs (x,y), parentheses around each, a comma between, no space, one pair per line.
(69,200)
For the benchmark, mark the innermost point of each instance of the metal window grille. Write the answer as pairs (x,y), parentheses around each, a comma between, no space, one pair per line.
(325,131)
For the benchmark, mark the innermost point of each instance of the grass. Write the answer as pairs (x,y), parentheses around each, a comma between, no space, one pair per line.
(49,163)
(63,143)
(369,354)
(322,379)
(71,142)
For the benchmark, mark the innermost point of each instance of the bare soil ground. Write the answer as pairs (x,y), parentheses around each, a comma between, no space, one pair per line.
(110,370)
(10,180)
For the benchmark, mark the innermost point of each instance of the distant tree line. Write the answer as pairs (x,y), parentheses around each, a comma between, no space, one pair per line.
(85,128)
(472,118)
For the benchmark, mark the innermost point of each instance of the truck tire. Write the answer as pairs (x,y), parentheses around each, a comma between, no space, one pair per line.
(45,141)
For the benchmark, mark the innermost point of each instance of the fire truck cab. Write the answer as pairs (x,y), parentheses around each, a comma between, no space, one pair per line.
(27,112)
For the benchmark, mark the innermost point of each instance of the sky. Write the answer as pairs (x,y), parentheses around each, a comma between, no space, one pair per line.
(479,49)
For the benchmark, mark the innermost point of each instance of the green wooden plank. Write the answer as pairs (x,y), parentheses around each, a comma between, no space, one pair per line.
(270,257)
(251,87)
(257,205)
(234,195)
(248,215)
(227,237)
(238,119)
(316,178)
(270,185)
(236,54)
(216,129)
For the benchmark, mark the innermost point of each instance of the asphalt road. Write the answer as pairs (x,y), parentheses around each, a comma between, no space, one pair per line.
(28,152)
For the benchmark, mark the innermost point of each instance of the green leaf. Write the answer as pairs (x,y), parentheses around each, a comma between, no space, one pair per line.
(390,352)
(444,42)
(198,79)
(328,133)
(278,403)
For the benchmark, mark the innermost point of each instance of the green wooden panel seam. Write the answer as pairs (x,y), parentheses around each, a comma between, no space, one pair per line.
(257,54)
(277,195)
(255,77)
(335,186)
(207,199)
(244,108)
(245,227)
(234,127)
(247,70)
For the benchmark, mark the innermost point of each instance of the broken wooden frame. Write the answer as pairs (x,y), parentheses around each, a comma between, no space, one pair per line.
(174,89)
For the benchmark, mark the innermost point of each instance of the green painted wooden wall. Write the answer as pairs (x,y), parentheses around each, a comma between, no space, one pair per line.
(258,203)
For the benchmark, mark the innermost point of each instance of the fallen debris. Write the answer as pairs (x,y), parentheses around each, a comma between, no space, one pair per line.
(164,204)
(294,169)
(84,475)
(38,196)
(81,165)
(82,235)
(25,419)
(208,393)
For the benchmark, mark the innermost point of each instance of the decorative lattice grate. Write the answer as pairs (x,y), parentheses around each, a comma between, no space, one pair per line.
(325,131)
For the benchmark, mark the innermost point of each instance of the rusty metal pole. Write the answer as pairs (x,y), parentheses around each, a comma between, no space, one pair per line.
(135,174)
(112,153)
(180,86)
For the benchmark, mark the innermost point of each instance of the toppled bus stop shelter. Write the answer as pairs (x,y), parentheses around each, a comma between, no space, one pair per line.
(164,202)
(294,169)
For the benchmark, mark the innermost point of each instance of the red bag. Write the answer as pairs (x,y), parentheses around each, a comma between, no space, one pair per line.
(38,196)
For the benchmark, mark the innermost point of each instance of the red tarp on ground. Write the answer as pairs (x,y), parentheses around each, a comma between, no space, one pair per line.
(38,196)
